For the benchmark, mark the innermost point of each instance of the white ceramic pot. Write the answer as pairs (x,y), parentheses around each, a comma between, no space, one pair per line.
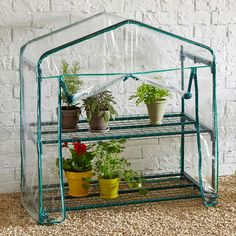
(156,112)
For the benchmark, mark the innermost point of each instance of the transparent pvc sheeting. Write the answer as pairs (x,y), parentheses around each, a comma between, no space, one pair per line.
(125,86)
(125,49)
(118,55)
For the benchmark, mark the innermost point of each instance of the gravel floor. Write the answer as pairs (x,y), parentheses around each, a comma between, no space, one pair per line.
(165,218)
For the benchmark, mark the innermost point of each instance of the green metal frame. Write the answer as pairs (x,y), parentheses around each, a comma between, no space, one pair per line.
(44,217)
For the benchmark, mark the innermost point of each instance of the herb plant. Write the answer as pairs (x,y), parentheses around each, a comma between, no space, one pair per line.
(72,82)
(110,165)
(103,101)
(148,94)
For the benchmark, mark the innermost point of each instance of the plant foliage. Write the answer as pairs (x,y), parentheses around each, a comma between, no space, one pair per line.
(109,164)
(148,94)
(72,81)
(103,101)
(80,159)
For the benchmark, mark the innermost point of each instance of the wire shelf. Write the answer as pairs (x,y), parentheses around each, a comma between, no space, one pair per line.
(159,189)
(123,127)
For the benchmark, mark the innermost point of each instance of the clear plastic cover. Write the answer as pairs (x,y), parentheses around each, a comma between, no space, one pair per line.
(118,55)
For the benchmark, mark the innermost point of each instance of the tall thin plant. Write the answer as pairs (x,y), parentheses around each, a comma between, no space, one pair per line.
(72,81)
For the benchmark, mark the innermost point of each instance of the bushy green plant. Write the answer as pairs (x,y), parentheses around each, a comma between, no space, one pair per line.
(148,94)
(109,164)
(103,101)
(72,82)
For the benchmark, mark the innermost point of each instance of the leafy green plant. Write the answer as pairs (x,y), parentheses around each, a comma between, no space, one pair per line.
(103,101)
(80,159)
(72,82)
(109,164)
(148,94)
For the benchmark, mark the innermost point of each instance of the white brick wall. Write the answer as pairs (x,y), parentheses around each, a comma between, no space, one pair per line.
(212,22)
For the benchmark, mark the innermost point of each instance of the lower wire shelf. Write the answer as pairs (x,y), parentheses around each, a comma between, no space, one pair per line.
(160,188)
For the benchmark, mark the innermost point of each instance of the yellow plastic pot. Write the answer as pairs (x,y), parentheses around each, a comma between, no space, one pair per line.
(78,187)
(109,188)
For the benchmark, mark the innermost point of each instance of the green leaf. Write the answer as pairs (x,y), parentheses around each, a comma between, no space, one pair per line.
(88,180)
(74,154)
(86,186)
(66,165)
(106,116)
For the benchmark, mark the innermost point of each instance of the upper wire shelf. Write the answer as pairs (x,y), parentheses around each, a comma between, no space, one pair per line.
(123,127)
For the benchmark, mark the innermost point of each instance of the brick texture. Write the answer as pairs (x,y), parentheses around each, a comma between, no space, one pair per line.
(211,22)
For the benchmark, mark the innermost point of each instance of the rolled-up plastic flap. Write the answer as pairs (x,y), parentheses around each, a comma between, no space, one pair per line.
(161,83)
(95,89)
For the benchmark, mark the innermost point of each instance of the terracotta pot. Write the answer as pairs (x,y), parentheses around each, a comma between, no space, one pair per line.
(98,121)
(78,187)
(156,112)
(70,117)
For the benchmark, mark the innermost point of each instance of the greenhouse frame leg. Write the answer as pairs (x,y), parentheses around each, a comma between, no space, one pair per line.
(193,76)
(39,150)
(212,200)
(43,216)
(182,146)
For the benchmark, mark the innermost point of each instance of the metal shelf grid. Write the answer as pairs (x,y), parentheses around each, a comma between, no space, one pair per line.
(172,187)
(124,127)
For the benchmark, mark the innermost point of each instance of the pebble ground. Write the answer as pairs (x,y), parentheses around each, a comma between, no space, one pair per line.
(188,217)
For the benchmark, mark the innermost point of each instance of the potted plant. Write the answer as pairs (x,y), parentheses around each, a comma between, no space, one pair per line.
(78,168)
(110,167)
(99,109)
(155,99)
(70,112)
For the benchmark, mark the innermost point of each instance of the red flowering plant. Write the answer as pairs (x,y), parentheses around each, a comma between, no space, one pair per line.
(80,159)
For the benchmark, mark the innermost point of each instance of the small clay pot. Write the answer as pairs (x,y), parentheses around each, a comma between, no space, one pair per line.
(70,117)
(97,122)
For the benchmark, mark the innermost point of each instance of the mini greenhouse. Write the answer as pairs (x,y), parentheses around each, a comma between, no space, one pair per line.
(178,158)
